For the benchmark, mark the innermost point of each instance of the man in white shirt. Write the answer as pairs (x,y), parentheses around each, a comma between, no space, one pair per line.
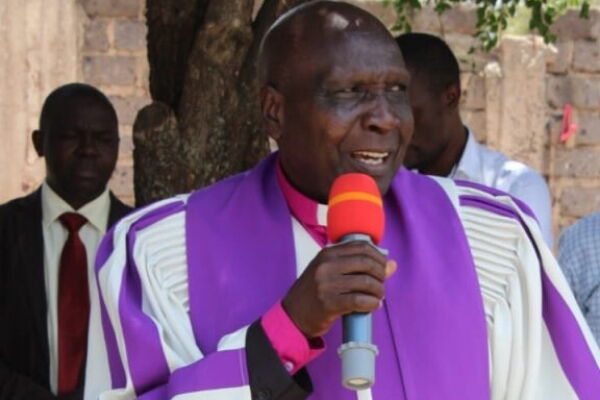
(443,146)
(48,243)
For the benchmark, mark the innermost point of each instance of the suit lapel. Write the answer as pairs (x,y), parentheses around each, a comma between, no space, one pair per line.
(30,276)
(31,248)
(117,210)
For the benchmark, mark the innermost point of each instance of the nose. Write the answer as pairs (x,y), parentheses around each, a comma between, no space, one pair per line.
(381,116)
(87,144)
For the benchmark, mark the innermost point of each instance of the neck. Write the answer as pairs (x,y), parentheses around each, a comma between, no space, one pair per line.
(451,154)
(286,179)
(74,201)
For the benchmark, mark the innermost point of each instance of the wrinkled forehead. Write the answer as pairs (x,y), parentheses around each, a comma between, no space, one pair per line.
(322,36)
(348,51)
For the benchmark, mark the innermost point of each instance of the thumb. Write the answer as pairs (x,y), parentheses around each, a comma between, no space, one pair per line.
(390,268)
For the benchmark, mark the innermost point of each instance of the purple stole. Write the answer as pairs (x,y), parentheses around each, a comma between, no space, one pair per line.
(431,331)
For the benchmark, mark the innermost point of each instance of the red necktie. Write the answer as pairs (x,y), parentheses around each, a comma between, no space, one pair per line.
(73,306)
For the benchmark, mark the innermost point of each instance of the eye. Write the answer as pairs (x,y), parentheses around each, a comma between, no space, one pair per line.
(107,137)
(397,93)
(108,141)
(397,88)
(350,92)
(69,135)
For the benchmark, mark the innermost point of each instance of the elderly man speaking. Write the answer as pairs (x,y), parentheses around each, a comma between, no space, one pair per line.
(232,292)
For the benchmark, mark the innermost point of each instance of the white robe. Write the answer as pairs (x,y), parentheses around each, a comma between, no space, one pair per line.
(523,361)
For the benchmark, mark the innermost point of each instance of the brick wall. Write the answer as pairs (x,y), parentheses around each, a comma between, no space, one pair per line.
(574,77)
(50,43)
(113,58)
(40,50)
(512,97)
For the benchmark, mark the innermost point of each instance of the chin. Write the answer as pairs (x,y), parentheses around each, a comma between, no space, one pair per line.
(89,191)
(384,183)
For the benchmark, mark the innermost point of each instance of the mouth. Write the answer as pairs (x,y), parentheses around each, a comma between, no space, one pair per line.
(377,163)
(370,158)
(86,174)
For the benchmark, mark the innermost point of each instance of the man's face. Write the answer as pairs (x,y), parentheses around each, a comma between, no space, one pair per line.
(80,148)
(430,134)
(346,110)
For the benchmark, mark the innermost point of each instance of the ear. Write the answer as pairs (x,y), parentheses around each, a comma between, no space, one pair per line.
(271,105)
(452,96)
(37,137)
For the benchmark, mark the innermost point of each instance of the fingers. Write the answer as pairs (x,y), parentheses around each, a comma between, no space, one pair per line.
(361,293)
(351,293)
(360,265)
(358,248)
(360,284)
(340,280)
(355,258)
(357,302)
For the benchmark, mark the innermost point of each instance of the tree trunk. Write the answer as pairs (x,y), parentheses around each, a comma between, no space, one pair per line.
(204,122)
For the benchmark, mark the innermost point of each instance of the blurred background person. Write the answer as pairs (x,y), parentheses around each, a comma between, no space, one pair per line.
(48,243)
(443,146)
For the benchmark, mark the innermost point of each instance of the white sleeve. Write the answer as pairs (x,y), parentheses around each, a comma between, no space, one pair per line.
(143,284)
(540,346)
(531,188)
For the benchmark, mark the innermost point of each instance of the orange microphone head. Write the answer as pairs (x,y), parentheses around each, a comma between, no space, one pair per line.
(355,206)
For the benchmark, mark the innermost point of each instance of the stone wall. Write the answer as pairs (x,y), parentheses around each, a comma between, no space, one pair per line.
(52,42)
(40,50)
(574,78)
(113,58)
(513,97)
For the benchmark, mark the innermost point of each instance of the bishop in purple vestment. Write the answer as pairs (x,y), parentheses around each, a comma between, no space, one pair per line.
(230,293)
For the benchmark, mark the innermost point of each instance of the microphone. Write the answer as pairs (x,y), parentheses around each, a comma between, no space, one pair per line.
(356,213)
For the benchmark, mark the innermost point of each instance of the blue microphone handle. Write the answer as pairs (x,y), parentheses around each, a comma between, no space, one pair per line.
(357,350)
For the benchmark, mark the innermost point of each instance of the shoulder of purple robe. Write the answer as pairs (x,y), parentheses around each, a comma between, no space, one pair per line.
(142,362)
(564,337)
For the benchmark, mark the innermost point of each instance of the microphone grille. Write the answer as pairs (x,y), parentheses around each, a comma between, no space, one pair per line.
(355,206)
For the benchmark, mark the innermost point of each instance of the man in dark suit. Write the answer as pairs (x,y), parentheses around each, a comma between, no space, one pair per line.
(48,243)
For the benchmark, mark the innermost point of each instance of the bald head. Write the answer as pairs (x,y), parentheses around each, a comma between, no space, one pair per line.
(299,37)
(334,94)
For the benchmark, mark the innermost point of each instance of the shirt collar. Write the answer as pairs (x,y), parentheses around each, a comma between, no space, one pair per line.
(96,211)
(469,164)
(311,214)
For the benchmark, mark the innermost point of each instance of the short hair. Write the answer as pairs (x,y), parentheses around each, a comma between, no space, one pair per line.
(286,38)
(428,55)
(274,54)
(60,95)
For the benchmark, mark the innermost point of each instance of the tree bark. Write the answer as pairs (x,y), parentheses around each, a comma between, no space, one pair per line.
(204,123)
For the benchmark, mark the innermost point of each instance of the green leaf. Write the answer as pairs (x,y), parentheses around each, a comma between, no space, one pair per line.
(442,6)
(495,16)
(585,10)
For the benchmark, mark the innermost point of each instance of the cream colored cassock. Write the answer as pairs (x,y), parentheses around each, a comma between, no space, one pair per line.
(523,362)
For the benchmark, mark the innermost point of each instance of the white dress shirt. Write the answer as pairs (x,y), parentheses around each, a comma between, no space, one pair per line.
(55,236)
(491,168)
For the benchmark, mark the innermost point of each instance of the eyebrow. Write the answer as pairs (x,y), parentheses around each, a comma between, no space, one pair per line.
(366,77)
